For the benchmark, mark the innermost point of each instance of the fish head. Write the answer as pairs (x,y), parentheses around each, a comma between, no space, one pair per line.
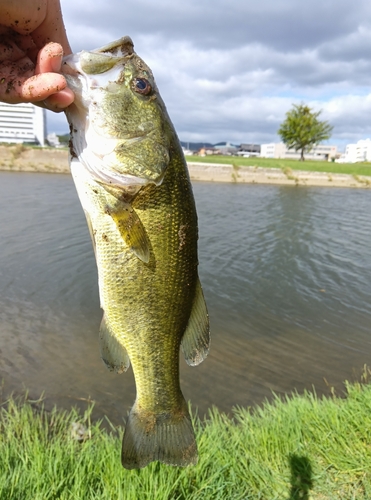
(120,130)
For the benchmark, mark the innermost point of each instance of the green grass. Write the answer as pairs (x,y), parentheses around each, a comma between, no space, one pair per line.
(311,166)
(302,448)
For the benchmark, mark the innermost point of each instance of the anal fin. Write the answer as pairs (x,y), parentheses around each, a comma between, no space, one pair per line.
(131,230)
(113,353)
(196,338)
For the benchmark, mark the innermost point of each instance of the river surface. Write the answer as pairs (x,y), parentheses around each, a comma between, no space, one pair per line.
(286,272)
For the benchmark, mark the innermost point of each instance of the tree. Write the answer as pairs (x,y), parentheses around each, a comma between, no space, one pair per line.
(302,130)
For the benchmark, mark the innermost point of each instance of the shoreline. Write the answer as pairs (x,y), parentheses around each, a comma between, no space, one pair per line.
(292,448)
(217,172)
(20,158)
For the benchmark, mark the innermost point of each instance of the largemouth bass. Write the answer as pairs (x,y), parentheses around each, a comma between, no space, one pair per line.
(133,184)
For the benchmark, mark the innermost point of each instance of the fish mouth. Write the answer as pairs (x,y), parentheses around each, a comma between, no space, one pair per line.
(122,47)
(99,67)
(100,60)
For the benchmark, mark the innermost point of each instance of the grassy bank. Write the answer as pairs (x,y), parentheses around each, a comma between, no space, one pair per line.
(302,448)
(309,166)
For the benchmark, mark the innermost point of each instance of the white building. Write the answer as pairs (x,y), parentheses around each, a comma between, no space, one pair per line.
(22,123)
(357,152)
(273,150)
(279,150)
(53,140)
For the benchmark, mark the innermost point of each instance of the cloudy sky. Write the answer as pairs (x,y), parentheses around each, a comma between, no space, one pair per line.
(229,70)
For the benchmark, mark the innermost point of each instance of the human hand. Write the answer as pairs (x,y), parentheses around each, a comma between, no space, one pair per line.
(32,43)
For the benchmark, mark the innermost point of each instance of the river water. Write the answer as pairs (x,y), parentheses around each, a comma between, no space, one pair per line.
(286,272)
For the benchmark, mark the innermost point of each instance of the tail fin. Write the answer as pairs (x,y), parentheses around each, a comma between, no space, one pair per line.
(167,437)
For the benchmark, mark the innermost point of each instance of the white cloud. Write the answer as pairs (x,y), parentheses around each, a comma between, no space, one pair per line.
(230,70)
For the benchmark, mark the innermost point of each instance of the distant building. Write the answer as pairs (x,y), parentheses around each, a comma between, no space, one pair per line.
(273,150)
(279,150)
(355,153)
(249,150)
(22,123)
(209,150)
(226,148)
(53,140)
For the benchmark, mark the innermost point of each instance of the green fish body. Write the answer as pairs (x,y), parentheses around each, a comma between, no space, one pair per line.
(133,184)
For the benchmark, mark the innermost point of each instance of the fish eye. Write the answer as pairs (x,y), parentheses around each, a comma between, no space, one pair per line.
(142,86)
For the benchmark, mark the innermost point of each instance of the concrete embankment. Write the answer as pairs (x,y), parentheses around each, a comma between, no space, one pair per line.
(22,158)
(257,175)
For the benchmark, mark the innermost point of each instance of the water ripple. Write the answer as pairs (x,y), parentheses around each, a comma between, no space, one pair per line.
(286,273)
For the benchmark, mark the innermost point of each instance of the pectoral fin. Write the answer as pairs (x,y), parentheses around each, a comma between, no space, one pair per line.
(131,230)
(196,339)
(113,353)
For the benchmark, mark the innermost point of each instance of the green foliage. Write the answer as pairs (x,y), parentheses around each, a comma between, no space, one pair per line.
(64,139)
(301,129)
(296,447)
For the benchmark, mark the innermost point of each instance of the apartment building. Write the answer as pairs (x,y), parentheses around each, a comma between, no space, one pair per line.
(22,123)
(361,151)
(279,150)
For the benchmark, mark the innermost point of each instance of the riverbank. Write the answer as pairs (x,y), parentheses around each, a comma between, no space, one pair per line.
(259,175)
(20,158)
(27,159)
(301,448)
